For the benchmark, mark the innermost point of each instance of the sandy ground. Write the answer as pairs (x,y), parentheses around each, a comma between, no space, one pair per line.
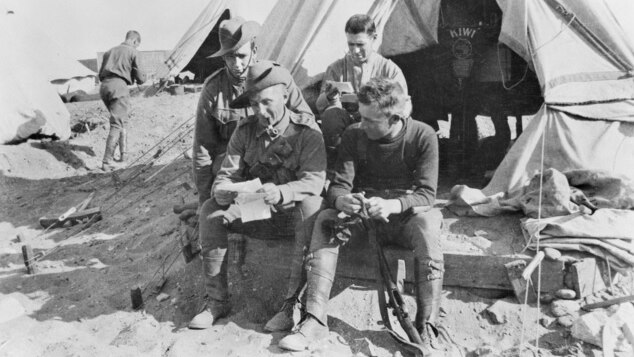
(79,304)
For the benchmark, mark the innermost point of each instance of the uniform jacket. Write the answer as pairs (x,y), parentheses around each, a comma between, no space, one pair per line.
(215,122)
(301,158)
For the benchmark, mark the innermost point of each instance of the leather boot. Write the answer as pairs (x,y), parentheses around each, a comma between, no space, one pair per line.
(123,145)
(215,275)
(286,318)
(308,331)
(429,279)
(321,266)
(111,145)
(212,311)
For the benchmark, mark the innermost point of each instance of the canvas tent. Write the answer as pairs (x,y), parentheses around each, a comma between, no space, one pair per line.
(67,74)
(306,36)
(201,39)
(583,54)
(28,102)
(586,75)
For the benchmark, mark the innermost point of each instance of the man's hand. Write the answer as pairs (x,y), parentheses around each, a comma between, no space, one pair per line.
(350,203)
(224,198)
(379,208)
(273,193)
(332,94)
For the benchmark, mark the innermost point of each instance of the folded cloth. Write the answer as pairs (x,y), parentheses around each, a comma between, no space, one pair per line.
(607,234)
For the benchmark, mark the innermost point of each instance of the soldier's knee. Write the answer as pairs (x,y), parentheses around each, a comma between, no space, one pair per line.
(311,205)
(427,221)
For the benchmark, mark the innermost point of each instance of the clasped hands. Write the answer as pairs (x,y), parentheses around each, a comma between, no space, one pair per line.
(378,208)
(273,195)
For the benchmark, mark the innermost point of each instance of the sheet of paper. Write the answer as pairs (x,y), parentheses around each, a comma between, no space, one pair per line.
(252,207)
(242,187)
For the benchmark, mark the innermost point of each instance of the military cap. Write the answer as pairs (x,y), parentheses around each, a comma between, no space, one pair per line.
(261,75)
(234,33)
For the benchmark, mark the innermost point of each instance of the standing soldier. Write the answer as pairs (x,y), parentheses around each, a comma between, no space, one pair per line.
(286,152)
(119,69)
(215,121)
(394,160)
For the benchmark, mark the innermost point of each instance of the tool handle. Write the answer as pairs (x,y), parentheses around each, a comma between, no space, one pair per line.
(528,271)
(67,213)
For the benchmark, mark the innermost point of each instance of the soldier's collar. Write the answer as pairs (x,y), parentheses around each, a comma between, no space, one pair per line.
(274,130)
(235,81)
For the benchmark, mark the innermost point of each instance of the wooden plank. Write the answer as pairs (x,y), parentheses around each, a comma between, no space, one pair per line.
(29,260)
(91,214)
(586,277)
(521,287)
(357,262)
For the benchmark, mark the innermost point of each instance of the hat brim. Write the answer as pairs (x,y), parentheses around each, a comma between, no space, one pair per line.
(242,101)
(249,29)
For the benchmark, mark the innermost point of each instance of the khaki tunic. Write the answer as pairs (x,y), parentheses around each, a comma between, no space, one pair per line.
(215,122)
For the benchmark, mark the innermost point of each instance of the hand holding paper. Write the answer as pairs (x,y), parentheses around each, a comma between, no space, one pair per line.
(250,196)
(272,194)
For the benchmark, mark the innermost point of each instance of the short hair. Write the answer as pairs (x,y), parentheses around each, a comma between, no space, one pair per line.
(132,35)
(388,95)
(360,23)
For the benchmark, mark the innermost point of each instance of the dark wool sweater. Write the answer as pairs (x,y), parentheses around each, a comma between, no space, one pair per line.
(409,161)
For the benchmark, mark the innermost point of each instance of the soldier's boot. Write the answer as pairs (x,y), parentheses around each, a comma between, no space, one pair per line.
(286,317)
(123,145)
(321,266)
(292,309)
(215,274)
(436,339)
(111,145)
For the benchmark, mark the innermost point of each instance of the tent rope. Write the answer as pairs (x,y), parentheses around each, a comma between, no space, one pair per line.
(539,218)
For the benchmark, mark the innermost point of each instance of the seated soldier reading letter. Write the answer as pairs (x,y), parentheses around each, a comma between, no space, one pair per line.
(286,152)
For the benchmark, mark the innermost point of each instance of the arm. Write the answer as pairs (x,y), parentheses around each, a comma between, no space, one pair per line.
(297,103)
(205,137)
(311,174)
(232,165)
(426,176)
(391,70)
(330,75)
(344,170)
(138,74)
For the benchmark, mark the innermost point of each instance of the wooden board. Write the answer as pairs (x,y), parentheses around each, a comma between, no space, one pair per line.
(586,277)
(522,288)
(91,214)
(357,262)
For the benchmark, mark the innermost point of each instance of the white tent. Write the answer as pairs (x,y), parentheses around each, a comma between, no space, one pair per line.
(306,36)
(41,51)
(583,54)
(28,102)
(584,59)
(201,39)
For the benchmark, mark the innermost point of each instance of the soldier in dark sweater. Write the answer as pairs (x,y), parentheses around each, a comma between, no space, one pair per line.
(389,164)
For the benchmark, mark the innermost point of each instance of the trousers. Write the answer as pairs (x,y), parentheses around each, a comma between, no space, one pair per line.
(217,221)
(419,232)
(116,96)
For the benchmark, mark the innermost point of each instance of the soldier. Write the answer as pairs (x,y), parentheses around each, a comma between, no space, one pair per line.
(357,67)
(215,121)
(394,160)
(119,68)
(286,152)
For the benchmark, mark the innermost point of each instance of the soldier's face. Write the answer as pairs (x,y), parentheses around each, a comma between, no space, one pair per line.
(238,60)
(268,104)
(374,122)
(360,46)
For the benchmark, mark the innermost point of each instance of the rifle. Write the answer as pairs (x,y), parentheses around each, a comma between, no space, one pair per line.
(386,286)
